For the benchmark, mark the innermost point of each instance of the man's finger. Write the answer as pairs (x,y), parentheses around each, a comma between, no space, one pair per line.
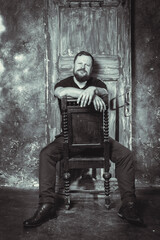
(79,98)
(102,106)
(89,100)
(83,100)
(95,106)
(86,100)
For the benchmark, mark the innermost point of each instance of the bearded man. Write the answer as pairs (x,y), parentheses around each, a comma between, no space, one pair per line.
(87,90)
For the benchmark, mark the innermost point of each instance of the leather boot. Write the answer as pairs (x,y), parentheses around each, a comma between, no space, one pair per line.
(129,212)
(44,212)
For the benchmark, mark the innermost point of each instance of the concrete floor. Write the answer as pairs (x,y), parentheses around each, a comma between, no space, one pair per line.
(87,219)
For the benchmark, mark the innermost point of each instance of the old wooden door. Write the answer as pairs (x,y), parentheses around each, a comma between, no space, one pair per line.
(103,29)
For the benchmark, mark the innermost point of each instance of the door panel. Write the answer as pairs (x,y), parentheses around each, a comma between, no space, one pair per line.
(85,28)
(103,29)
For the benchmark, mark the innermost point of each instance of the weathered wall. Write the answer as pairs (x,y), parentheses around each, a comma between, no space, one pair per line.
(22,90)
(146,89)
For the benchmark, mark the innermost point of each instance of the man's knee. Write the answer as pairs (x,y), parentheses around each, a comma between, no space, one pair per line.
(124,157)
(129,155)
(128,159)
(43,153)
(50,152)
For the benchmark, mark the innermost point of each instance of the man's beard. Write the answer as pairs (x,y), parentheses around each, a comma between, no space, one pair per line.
(79,77)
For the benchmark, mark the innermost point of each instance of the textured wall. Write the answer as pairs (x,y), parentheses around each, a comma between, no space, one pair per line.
(22,90)
(24,118)
(146,89)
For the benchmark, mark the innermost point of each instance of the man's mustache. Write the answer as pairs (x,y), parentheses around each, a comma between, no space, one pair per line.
(82,69)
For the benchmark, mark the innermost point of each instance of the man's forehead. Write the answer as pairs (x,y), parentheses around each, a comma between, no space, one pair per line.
(84,57)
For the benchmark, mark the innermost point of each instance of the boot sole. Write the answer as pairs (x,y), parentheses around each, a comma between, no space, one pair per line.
(136,223)
(39,224)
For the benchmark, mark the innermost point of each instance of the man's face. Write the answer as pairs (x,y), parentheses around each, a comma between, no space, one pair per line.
(82,68)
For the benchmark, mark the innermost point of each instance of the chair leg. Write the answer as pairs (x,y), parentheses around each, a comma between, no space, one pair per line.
(107,177)
(66,188)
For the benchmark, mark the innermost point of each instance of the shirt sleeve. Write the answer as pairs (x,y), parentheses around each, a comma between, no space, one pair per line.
(60,84)
(99,83)
(64,83)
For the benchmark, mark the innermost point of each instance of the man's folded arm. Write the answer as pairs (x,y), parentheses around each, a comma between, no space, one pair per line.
(101,92)
(61,92)
(75,92)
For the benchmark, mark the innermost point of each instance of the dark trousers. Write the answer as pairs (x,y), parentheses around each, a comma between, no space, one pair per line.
(120,155)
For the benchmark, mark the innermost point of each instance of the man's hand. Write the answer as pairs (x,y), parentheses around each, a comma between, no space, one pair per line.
(99,104)
(86,96)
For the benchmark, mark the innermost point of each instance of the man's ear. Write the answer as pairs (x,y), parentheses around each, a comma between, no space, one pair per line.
(72,65)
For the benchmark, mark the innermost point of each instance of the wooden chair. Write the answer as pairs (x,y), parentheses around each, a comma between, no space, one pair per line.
(85,130)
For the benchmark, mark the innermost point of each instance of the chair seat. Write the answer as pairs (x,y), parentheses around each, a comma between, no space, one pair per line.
(92,162)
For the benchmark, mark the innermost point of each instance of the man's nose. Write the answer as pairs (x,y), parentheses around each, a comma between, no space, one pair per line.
(84,66)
